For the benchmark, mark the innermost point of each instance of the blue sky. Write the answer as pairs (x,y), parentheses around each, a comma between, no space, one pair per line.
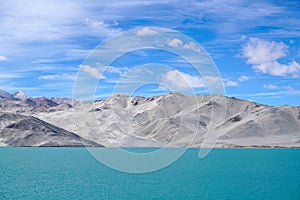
(255,45)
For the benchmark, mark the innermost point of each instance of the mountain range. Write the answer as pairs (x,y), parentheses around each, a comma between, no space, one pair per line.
(172,120)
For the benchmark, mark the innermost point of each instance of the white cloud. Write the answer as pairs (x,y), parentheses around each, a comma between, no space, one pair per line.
(2,58)
(175,42)
(121,71)
(258,51)
(283,91)
(211,80)
(58,77)
(278,69)
(117,70)
(243,78)
(180,44)
(229,83)
(180,80)
(243,37)
(288,90)
(107,27)
(270,86)
(95,24)
(26,22)
(146,31)
(192,46)
(263,56)
(92,71)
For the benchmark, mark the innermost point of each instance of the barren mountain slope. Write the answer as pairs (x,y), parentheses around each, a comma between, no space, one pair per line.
(20,130)
(179,120)
(173,119)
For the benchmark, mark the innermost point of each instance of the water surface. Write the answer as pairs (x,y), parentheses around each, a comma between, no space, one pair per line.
(72,173)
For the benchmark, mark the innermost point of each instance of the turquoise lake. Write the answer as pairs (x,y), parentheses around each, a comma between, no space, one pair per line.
(72,173)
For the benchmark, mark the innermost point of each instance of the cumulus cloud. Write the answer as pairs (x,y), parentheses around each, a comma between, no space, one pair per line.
(258,51)
(146,31)
(192,46)
(103,27)
(100,24)
(229,83)
(94,72)
(243,78)
(278,69)
(2,58)
(121,71)
(181,80)
(175,42)
(117,70)
(263,55)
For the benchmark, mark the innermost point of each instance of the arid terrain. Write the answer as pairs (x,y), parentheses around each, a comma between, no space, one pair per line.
(172,120)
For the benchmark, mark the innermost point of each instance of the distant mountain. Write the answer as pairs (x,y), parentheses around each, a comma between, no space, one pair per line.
(19,102)
(65,101)
(5,95)
(20,95)
(20,130)
(173,119)
(19,126)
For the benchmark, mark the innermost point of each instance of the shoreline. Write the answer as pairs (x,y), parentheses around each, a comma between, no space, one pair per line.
(171,147)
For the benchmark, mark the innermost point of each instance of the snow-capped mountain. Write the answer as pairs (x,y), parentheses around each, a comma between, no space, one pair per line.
(20,95)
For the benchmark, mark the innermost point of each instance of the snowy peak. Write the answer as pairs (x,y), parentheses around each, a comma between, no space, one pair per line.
(20,95)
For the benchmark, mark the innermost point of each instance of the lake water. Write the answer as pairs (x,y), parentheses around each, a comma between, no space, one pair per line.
(72,173)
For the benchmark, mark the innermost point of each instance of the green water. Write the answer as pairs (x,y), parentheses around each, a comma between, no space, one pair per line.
(72,173)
